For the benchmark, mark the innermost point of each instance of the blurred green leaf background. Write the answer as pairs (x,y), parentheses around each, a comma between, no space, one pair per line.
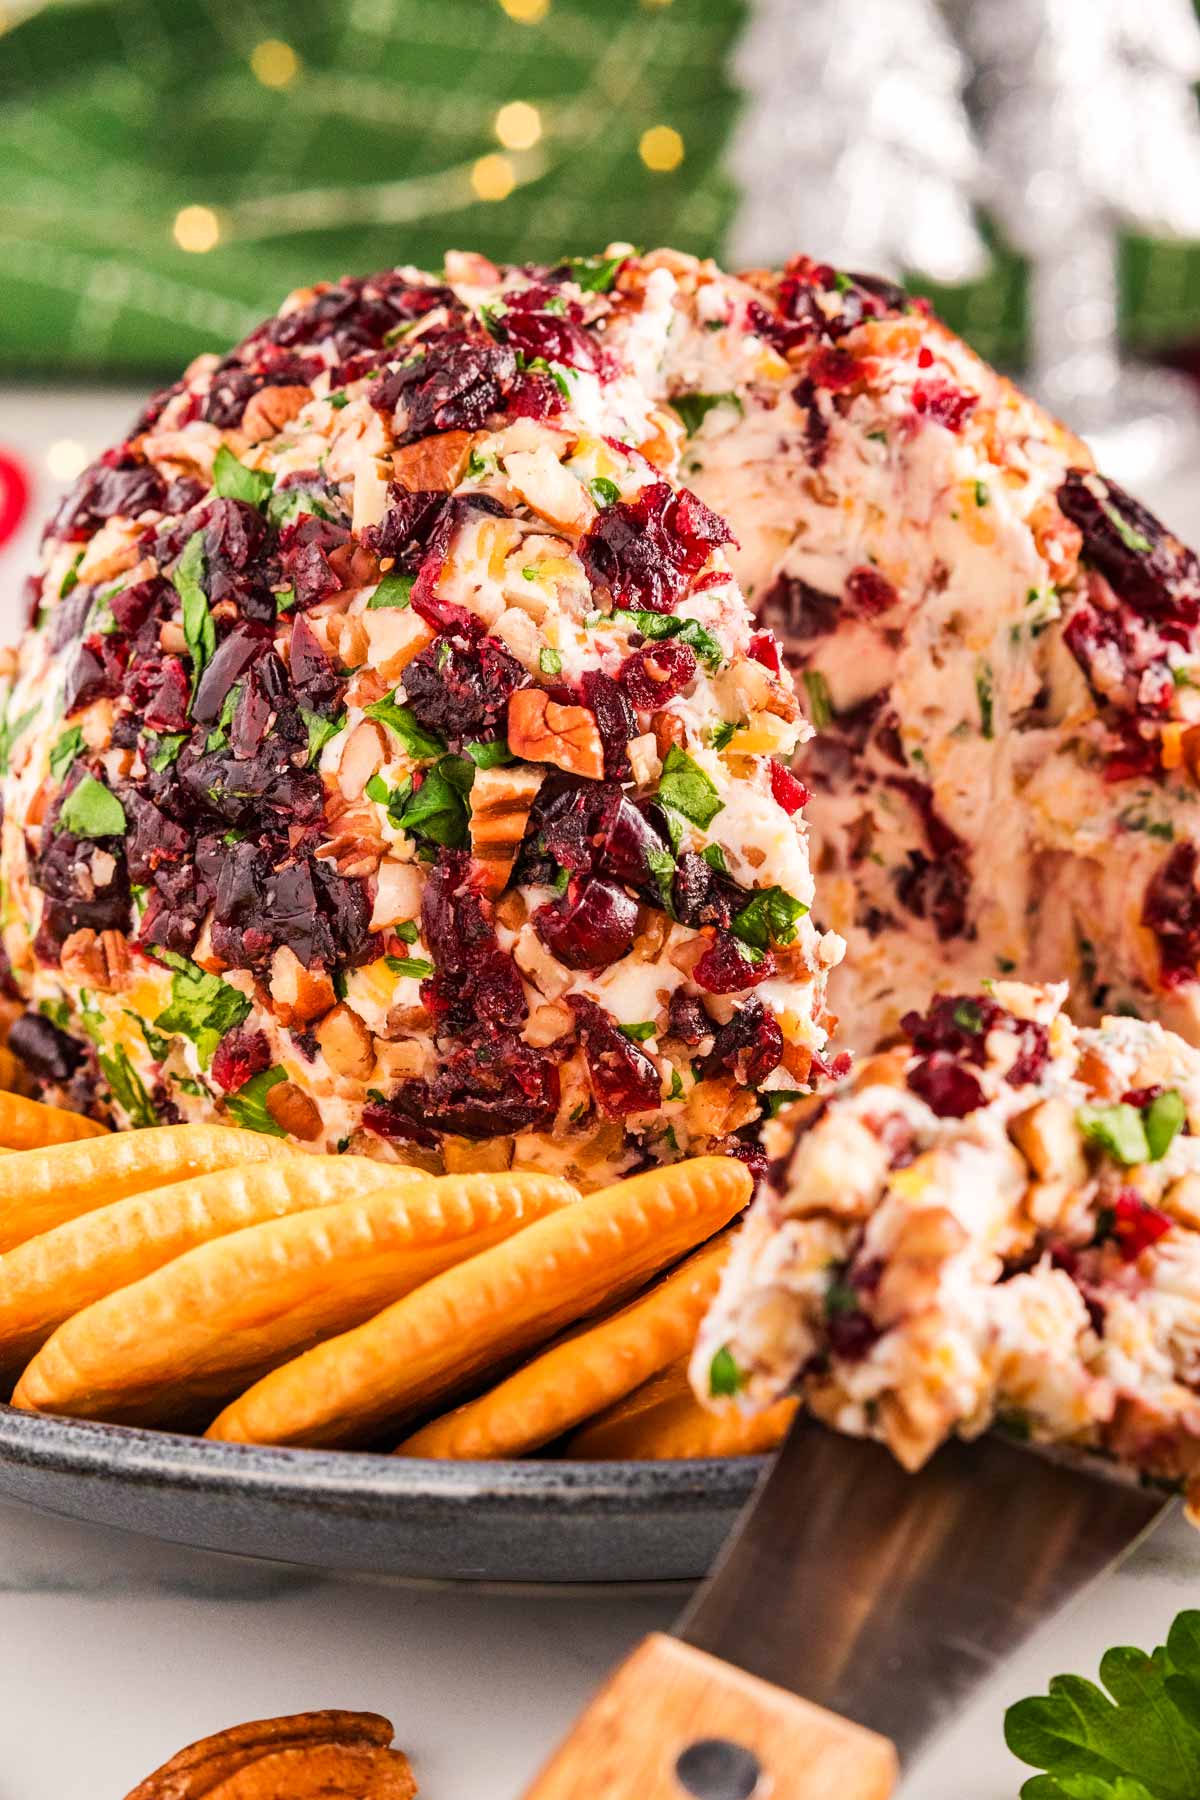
(173,167)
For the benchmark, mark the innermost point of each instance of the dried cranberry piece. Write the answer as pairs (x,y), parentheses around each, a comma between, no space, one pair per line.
(1136,1225)
(158,693)
(234,386)
(699,895)
(946,1087)
(1034,1054)
(64,872)
(234,655)
(868,593)
(534,395)
(943,403)
(764,648)
(239,1055)
(724,970)
(688,1020)
(836,370)
(747,1150)
(460,685)
(1145,564)
(956,1023)
(797,610)
(443,615)
(491,1088)
(750,1045)
(312,673)
(135,606)
(830,1068)
(1171,910)
(557,338)
(68,617)
(816,420)
(614,721)
(182,494)
(852,1335)
(787,790)
(590,926)
(476,985)
(647,551)
(407,527)
(359,313)
(627,846)
(239,789)
(624,1079)
(104,490)
(937,891)
(652,676)
(305,547)
(560,830)
(238,562)
(96,671)
(47,1052)
(457,385)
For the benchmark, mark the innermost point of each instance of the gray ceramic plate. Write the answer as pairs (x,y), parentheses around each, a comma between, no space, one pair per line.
(503,1521)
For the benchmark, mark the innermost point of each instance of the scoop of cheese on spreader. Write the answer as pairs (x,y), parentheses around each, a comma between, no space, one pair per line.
(392,758)
(1000,649)
(997,1221)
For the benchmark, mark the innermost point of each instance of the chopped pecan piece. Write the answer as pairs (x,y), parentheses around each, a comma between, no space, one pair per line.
(268,411)
(542,730)
(433,464)
(501,801)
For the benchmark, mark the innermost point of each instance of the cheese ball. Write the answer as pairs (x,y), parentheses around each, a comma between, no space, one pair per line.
(392,763)
(996,1222)
(999,648)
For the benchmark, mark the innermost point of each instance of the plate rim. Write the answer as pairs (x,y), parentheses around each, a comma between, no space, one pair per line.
(146,1456)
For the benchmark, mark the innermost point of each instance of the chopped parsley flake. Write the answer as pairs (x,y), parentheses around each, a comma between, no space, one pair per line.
(603,491)
(686,787)
(92,811)
(394,590)
(234,481)
(550,662)
(771,917)
(693,409)
(420,744)
(64,751)
(199,632)
(724,1376)
(819,705)
(249,1105)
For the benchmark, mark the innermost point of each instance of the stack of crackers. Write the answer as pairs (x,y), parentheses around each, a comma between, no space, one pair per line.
(204,1278)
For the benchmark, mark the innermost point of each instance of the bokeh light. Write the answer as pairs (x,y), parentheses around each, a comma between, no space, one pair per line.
(518,125)
(493,177)
(274,63)
(661,148)
(197,228)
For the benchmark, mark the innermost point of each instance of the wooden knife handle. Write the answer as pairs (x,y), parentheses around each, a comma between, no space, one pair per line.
(674,1723)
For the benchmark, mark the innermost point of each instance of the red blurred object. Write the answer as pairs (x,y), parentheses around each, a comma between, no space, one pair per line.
(15,494)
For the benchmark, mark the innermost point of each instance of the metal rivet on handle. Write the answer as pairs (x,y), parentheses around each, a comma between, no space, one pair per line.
(716,1769)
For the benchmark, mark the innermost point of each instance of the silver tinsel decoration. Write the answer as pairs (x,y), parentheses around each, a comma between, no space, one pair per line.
(853,143)
(1088,124)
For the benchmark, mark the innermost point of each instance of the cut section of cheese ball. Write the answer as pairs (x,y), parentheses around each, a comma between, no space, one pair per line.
(392,760)
(995,1222)
(1001,650)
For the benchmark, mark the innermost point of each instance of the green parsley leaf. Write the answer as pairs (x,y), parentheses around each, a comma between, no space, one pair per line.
(378,790)
(654,626)
(968,1016)
(92,811)
(320,730)
(640,1032)
(420,744)
(436,810)
(218,737)
(1138,1741)
(676,1092)
(724,1376)
(774,1101)
(285,598)
(128,1089)
(982,497)
(1163,1120)
(720,735)
(1131,538)
(416,966)
(819,704)
(662,867)
(1134,819)
(249,1105)
(1117,1130)
(198,629)
(202,1007)
(840,1299)
(166,749)
(339,400)
(693,409)
(493,755)
(64,750)
(686,787)
(287,504)
(714,856)
(594,274)
(407,931)
(394,590)
(771,917)
(603,491)
(985,694)
(10,731)
(234,481)
(70,580)
(549,661)
(158,1046)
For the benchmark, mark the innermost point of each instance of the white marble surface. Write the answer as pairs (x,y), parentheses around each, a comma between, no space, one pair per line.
(116,1652)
